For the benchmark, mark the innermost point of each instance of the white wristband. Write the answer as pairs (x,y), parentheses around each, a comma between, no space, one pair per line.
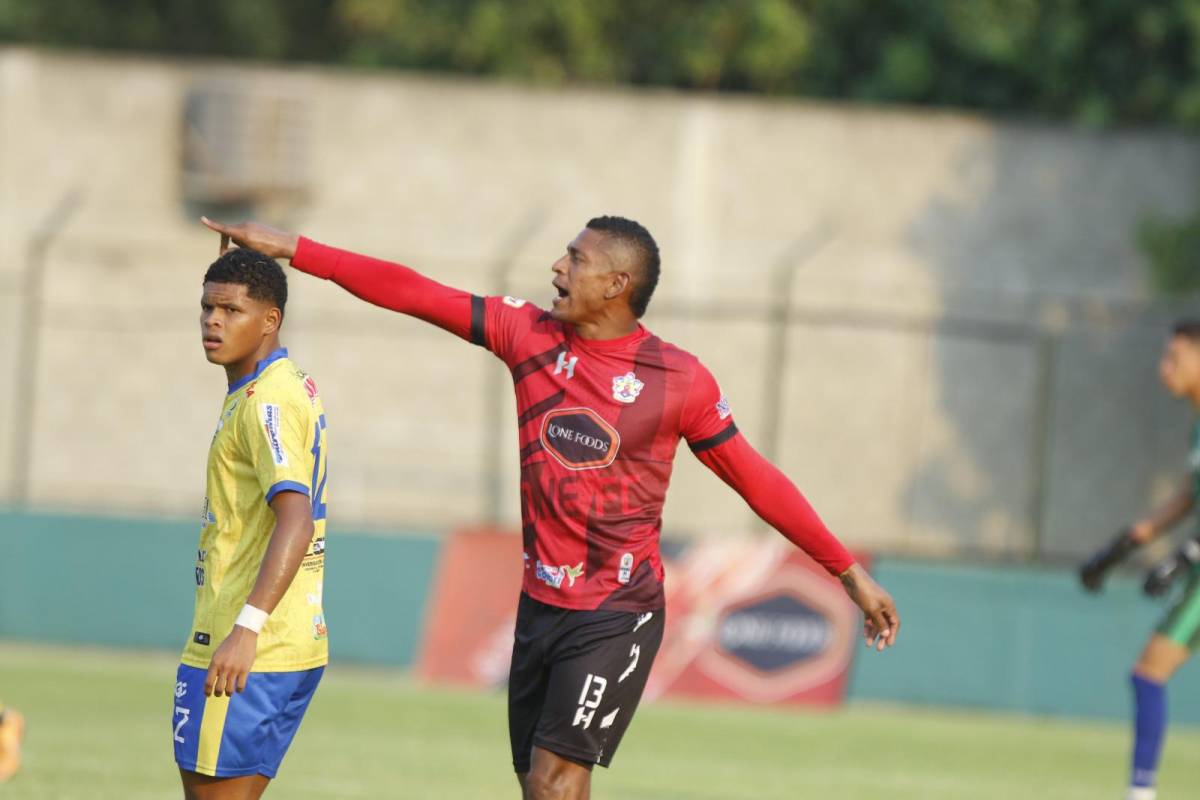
(251,618)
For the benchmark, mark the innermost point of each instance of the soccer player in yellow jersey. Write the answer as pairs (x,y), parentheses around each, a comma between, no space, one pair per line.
(12,728)
(257,646)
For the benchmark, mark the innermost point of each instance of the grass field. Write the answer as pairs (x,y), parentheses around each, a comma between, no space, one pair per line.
(99,728)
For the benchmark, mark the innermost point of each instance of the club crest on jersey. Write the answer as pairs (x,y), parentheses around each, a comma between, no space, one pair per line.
(554,576)
(626,388)
(224,418)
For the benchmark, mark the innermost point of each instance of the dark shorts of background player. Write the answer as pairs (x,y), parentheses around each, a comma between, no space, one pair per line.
(576,679)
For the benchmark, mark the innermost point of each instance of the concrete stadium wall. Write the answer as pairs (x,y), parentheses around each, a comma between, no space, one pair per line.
(130,583)
(966,357)
(1016,639)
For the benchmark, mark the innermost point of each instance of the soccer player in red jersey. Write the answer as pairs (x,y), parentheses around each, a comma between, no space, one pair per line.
(601,406)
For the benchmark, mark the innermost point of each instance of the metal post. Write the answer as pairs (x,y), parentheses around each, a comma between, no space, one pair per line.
(783,276)
(1042,446)
(25,383)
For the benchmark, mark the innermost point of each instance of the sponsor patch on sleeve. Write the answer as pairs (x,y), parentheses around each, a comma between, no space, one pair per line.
(270,420)
(723,409)
(515,302)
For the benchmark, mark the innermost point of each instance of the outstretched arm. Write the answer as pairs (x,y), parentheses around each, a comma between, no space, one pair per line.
(383,283)
(781,505)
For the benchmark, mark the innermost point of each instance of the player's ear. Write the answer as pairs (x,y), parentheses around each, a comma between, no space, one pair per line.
(273,319)
(617,284)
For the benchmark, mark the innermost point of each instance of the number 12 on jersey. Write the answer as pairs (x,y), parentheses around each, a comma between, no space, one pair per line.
(318,489)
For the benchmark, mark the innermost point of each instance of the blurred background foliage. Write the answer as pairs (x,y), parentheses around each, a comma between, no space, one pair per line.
(1095,63)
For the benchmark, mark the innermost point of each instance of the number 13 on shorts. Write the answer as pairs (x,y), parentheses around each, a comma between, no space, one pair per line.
(589,699)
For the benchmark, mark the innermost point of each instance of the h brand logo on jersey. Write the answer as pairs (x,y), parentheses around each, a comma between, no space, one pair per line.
(567,364)
(310,388)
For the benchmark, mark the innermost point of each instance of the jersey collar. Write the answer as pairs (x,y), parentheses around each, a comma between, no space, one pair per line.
(608,345)
(259,368)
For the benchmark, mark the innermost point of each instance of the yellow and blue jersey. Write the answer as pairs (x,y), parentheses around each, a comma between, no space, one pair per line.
(270,438)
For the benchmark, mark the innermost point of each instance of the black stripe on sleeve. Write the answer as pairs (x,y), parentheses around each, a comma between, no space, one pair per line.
(478,315)
(542,406)
(713,441)
(532,364)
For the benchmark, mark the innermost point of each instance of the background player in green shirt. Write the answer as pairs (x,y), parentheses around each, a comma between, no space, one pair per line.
(1178,635)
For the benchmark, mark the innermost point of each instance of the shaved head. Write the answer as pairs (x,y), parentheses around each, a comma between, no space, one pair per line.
(633,250)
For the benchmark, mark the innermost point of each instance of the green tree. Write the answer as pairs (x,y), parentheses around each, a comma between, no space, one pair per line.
(1097,62)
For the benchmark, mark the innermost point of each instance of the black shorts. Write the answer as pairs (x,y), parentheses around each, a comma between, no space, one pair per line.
(576,679)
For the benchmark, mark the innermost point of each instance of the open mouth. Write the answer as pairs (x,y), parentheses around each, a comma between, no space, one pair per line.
(562,293)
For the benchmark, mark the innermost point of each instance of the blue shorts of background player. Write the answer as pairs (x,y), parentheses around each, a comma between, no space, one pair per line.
(246,734)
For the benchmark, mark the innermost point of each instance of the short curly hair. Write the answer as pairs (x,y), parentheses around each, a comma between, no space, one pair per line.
(637,237)
(1187,328)
(262,276)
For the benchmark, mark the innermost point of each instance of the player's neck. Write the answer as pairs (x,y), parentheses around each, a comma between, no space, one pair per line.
(607,328)
(235,372)
(1194,398)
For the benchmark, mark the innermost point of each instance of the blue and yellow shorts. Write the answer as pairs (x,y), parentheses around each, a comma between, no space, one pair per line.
(247,734)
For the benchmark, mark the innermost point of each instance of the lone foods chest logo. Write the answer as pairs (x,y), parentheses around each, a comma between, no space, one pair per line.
(579,438)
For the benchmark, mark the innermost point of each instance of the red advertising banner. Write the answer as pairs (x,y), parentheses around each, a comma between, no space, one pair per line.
(757,621)
(749,620)
(473,609)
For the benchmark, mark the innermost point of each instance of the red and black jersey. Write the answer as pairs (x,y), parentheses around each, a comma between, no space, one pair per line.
(598,422)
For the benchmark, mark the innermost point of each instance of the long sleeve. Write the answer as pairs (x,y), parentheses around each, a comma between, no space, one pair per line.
(776,500)
(395,287)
